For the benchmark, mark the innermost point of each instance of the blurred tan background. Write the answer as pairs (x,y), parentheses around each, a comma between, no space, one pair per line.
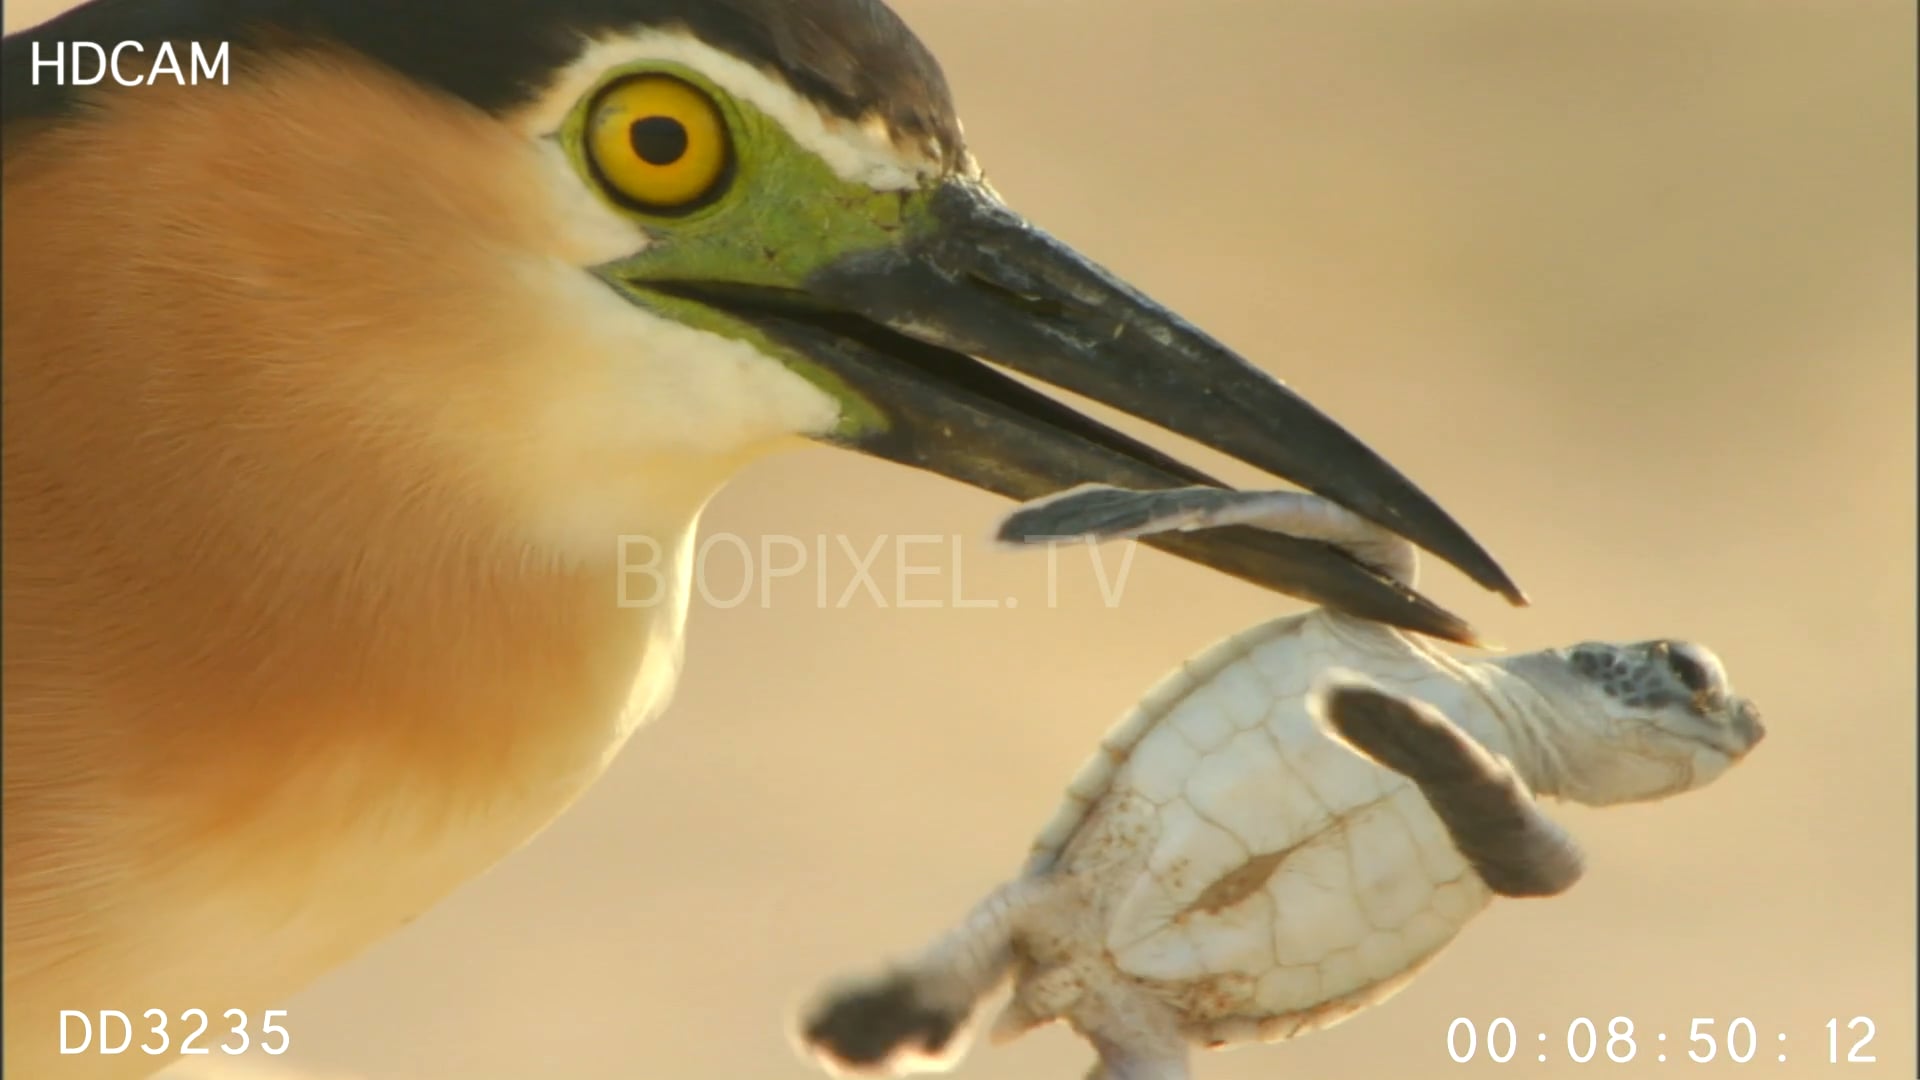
(1629,286)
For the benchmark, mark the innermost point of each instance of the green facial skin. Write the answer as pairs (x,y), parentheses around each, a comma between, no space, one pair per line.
(953,275)
(749,234)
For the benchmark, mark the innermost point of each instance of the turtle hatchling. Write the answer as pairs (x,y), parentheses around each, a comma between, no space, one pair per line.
(1290,826)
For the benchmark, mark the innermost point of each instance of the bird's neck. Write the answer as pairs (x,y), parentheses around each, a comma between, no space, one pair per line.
(338,725)
(415,629)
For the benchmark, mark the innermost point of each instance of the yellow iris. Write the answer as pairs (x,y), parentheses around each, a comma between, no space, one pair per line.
(658,141)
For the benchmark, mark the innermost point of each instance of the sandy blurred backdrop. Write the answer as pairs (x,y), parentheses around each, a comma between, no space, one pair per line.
(1629,286)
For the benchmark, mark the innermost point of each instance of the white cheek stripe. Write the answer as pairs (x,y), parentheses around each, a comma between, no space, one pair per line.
(588,231)
(858,153)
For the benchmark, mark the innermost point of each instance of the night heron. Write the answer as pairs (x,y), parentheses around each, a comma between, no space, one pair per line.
(329,390)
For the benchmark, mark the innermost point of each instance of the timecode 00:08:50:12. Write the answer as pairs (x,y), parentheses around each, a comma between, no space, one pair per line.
(1738,1040)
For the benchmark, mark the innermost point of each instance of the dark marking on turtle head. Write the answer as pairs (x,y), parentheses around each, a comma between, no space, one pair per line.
(1656,674)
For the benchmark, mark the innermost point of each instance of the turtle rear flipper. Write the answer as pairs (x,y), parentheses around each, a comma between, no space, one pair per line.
(917,1016)
(883,1027)
(1493,819)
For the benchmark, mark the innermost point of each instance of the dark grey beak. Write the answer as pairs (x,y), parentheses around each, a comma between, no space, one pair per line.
(902,323)
(987,283)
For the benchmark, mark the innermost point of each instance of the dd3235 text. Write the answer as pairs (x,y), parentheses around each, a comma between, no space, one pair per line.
(155,1032)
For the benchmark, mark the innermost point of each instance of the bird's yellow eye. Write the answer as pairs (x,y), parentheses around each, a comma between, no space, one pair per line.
(658,142)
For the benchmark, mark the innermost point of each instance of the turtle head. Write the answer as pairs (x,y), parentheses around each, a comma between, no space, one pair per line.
(1633,723)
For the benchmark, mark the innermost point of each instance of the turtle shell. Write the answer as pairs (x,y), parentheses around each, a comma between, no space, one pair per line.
(1259,876)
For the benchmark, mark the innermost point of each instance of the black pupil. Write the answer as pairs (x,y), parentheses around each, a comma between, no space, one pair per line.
(659,140)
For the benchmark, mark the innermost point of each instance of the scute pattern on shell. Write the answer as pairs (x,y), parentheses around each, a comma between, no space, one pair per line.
(1278,881)
(1091,783)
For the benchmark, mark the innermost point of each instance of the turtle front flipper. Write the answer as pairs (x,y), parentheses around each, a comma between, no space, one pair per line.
(1102,512)
(1492,817)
